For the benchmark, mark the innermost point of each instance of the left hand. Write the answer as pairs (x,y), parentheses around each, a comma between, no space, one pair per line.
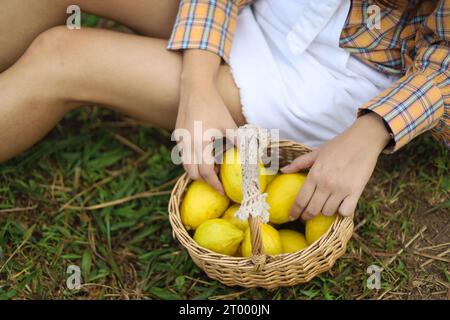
(340,169)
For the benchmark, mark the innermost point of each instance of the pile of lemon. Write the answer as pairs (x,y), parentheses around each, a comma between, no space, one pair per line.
(211,215)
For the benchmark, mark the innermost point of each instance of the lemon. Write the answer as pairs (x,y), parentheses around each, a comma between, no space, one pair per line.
(231,175)
(317,227)
(271,241)
(219,235)
(292,241)
(281,194)
(270,175)
(230,216)
(201,203)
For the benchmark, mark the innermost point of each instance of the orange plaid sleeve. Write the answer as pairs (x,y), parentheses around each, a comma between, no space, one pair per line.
(207,25)
(420,100)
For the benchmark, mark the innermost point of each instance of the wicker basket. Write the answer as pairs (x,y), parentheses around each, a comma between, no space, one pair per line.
(261,270)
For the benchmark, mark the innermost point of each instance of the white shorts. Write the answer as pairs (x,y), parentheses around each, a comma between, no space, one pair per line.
(292,74)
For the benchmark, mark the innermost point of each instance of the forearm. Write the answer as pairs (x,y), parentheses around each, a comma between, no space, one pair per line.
(198,74)
(199,66)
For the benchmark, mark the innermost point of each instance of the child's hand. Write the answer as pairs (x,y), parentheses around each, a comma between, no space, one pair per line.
(340,169)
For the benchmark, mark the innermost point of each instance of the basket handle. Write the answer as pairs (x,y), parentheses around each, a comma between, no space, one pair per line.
(252,143)
(258,254)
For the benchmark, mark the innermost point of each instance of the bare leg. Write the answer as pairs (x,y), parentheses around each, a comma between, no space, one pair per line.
(28,19)
(21,21)
(64,69)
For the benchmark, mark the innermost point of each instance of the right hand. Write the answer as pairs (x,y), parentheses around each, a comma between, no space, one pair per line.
(201,101)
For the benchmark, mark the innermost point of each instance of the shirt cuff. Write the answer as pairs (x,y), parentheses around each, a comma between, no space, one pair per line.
(411,106)
(205,24)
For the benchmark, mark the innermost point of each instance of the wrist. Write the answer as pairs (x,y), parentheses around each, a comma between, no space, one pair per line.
(196,95)
(372,129)
(196,82)
(200,67)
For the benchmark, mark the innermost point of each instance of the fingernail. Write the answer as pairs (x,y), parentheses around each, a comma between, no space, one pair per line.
(284,168)
(292,216)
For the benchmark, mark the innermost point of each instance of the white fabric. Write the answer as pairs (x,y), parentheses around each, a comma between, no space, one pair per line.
(292,74)
(252,142)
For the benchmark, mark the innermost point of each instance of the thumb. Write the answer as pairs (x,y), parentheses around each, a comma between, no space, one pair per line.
(303,162)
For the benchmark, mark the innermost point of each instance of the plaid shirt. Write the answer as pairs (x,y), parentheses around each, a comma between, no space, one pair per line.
(412,42)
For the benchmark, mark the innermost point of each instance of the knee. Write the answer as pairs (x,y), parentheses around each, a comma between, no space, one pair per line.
(46,64)
(50,46)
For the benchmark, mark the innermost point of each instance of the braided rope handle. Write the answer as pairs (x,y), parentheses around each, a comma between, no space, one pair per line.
(252,142)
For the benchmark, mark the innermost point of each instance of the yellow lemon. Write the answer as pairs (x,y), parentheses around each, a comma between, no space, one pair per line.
(270,175)
(219,235)
(230,216)
(292,241)
(271,241)
(281,194)
(317,227)
(201,203)
(231,175)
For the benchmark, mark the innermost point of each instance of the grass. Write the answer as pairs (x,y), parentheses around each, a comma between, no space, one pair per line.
(94,194)
(50,218)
